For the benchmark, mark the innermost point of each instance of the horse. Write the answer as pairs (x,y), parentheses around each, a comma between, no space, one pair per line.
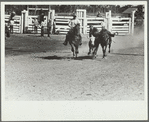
(104,39)
(74,39)
(91,44)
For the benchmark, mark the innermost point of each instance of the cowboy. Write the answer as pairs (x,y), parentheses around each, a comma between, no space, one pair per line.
(7,32)
(96,33)
(72,24)
(12,14)
(49,27)
(35,25)
(11,25)
(42,27)
(98,14)
(103,30)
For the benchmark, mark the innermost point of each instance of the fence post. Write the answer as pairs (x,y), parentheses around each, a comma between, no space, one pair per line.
(129,25)
(85,23)
(81,14)
(132,25)
(109,21)
(51,16)
(24,21)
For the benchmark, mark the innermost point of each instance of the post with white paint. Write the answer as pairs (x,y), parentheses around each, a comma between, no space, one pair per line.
(84,23)
(51,16)
(129,25)
(81,14)
(24,22)
(109,21)
(132,22)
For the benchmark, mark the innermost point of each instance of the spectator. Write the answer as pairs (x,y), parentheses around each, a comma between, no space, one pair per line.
(49,27)
(98,14)
(42,27)
(35,25)
(11,25)
(7,31)
(54,24)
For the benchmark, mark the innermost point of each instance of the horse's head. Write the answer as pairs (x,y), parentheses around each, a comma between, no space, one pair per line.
(77,29)
(92,40)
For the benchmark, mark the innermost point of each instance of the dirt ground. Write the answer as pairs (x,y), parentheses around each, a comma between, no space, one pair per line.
(42,69)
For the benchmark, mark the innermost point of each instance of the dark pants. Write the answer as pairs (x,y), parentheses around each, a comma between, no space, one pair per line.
(48,31)
(35,29)
(42,31)
(11,28)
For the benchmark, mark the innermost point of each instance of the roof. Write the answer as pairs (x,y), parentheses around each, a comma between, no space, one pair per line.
(129,10)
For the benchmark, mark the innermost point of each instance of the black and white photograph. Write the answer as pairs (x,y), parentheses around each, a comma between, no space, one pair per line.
(74,60)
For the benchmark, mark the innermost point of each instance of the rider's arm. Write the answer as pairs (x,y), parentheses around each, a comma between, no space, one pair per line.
(110,34)
(78,22)
(69,24)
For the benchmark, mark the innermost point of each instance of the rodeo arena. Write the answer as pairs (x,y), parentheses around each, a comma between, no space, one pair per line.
(73,56)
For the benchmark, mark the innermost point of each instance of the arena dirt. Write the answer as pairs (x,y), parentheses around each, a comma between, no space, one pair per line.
(42,69)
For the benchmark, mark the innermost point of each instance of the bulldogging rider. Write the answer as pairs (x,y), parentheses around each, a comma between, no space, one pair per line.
(96,33)
(72,24)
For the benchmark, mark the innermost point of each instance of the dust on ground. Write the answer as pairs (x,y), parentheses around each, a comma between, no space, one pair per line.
(42,69)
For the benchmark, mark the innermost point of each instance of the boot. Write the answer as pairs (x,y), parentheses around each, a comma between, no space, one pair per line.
(65,43)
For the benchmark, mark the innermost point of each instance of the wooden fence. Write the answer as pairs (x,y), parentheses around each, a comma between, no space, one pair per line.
(123,26)
(16,25)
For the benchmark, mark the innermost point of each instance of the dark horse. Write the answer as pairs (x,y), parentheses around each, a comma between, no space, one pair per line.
(74,39)
(103,38)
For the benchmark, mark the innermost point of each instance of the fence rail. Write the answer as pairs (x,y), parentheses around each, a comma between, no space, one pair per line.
(123,26)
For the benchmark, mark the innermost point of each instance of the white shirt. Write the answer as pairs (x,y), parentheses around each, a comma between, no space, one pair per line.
(11,22)
(36,22)
(73,22)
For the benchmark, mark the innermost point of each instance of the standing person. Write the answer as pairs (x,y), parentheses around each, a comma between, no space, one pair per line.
(11,25)
(54,24)
(42,28)
(12,14)
(49,27)
(72,24)
(35,25)
(7,32)
(98,14)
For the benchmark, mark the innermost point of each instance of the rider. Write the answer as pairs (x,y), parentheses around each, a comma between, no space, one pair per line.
(72,24)
(97,33)
(105,30)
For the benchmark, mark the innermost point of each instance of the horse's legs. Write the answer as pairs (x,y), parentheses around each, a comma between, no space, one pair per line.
(109,47)
(95,51)
(104,50)
(76,50)
(72,49)
(110,41)
(89,51)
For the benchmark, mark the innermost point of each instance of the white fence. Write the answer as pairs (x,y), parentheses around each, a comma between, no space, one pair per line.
(123,26)
(16,25)
(61,24)
(31,27)
(96,22)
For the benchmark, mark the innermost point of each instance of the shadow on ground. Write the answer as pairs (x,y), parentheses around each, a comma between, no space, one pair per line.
(128,54)
(62,58)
